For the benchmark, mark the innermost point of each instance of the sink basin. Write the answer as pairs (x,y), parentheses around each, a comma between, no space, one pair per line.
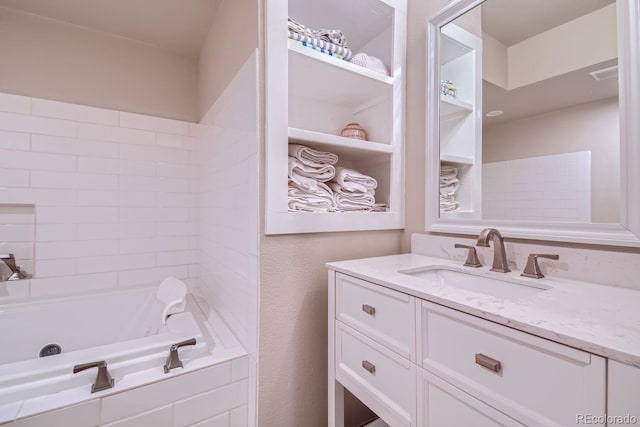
(482,282)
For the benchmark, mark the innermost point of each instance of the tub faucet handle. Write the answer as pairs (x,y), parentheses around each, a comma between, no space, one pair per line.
(173,361)
(103,379)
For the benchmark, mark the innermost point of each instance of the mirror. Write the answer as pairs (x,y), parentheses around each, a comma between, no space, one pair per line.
(530,119)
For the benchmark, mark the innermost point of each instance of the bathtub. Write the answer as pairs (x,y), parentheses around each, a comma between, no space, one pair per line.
(123,327)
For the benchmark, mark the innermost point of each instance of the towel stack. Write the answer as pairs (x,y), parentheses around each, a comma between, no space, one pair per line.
(354,191)
(449,184)
(317,185)
(309,170)
(330,42)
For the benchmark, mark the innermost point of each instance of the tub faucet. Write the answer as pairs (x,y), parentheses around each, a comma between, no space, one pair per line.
(173,361)
(103,379)
(499,255)
(9,270)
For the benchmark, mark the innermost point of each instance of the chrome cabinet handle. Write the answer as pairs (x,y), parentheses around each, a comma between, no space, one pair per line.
(369,309)
(370,367)
(488,362)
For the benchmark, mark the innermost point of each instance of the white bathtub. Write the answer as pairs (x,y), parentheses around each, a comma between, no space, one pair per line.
(124,328)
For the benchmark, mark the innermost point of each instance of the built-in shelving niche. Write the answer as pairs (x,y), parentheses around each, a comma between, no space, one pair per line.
(311,96)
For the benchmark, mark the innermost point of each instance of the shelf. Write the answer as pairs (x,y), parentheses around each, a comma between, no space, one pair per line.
(450,106)
(297,47)
(314,222)
(338,144)
(315,75)
(452,158)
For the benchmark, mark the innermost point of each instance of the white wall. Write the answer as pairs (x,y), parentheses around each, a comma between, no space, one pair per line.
(51,59)
(114,193)
(228,211)
(587,127)
(233,36)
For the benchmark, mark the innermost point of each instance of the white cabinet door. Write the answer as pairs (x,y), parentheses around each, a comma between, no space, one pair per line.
(623,390)
(443,405)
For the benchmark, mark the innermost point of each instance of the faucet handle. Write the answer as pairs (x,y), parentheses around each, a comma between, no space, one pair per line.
(103,379)
(532,269)
(472,256)
(173,361)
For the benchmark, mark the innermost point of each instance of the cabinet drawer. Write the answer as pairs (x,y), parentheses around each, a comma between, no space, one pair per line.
(441,404)
(377,376)
(517,373)
(382,314)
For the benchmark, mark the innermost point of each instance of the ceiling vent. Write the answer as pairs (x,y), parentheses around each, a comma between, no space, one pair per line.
(605,73)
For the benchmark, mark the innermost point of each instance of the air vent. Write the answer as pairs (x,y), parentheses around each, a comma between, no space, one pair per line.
(605,73)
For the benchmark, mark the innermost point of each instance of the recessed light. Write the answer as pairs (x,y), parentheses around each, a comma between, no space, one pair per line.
(494,113)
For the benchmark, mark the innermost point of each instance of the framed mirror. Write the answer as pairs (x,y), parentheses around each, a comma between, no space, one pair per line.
(533,120)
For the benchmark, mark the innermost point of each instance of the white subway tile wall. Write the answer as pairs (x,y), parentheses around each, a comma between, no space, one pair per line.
(228,210)
(207,397)
(17,229)
(115,193)
(549,188)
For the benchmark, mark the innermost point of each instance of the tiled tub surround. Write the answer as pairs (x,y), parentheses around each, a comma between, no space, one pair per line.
(603,320)
(228,211)
(211,389)
(115,192)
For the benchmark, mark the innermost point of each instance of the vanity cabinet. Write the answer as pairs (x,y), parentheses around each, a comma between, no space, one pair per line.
(416,363)
(311,96)
(623,393)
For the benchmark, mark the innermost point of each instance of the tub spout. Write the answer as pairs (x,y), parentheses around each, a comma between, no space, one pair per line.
(103,379)
(173,361)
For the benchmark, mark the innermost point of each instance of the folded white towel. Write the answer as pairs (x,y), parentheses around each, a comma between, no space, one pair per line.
(303,200)
(448,203)
(352,180)
(449,190)
(349,201)
(311,157)
(448,170)
(308,176)
(444,181)
(380,207)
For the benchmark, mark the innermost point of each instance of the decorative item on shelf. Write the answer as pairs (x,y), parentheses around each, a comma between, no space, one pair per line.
(370,62)
(355,131)
(447,88)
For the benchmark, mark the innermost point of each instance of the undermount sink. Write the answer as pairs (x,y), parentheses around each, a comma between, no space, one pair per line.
(482,282)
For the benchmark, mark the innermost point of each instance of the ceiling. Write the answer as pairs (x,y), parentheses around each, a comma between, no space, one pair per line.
(576,87)
(512,21)
(179,26)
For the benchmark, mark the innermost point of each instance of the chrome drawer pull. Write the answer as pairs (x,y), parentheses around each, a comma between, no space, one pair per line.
(488,362)
(368,309)
(369,366)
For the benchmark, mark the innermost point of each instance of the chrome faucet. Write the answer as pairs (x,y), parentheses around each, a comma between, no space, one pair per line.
(499,255)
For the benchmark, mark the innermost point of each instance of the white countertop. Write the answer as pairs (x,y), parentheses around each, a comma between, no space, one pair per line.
(603,320)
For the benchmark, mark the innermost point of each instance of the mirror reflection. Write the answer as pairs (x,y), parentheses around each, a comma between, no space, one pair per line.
(529,120)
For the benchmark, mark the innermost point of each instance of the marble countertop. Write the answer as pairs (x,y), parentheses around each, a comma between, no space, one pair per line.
(603,320)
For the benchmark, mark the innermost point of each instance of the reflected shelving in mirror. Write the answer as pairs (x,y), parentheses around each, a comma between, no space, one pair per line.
(537,67)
